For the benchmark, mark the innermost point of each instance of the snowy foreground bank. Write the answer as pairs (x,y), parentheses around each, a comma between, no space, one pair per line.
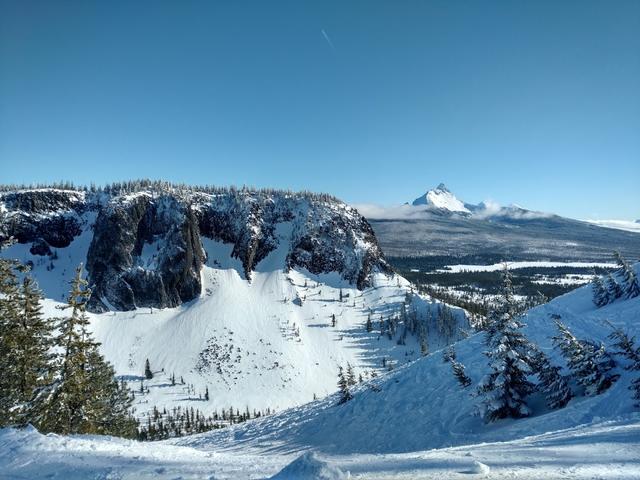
(413,422)
(608,450)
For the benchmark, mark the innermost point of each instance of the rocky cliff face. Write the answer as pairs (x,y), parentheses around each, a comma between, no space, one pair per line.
(146,249)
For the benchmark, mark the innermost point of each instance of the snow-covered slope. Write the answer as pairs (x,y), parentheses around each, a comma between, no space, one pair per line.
(261,343)
(442,199)
(421,406)
(602,450)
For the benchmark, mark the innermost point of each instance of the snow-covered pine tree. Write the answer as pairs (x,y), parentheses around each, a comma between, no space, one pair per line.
(32,360)
(343,387)
(424,344)
(351,376)
(148,374)
(369,325)
(84,396)
(448,354)
(551,383)
(613,288)
(600,293)
(630,285)
(109,402)
(504,390)
(626,346)
(459,373)
(590,363)
(8,321)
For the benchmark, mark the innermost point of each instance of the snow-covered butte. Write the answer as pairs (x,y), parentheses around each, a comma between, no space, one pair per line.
(258,332)
(145,245)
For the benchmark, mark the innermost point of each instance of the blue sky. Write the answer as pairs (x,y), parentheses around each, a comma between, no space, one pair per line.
(535,103)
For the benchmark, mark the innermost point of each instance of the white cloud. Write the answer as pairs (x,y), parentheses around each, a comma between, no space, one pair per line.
(488,209)
(396,212)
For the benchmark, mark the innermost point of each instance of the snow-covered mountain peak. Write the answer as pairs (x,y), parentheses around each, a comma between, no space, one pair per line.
(442,198)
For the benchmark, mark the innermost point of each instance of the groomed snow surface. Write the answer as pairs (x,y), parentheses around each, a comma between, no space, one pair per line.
(604,450)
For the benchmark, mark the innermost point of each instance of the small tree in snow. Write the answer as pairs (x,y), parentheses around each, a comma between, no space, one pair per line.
(343,387)
(504,390)
(613,288)
(600,293)
(552,383)
(148,374)
(351,376)
(459,373)
(627,348)
(590,363)
(630,284)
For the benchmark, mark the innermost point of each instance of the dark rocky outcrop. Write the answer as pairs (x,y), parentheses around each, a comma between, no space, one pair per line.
(121,231)
(146,247)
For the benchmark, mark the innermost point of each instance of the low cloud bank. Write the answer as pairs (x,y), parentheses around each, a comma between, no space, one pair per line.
(486,209)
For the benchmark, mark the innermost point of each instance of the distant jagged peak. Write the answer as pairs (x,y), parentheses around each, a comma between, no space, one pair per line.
(442,198)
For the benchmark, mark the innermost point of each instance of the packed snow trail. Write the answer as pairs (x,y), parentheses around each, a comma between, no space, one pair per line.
(605,450)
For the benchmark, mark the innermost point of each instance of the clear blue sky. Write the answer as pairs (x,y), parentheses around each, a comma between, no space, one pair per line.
(536,103)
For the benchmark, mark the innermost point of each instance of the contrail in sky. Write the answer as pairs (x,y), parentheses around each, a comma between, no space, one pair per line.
(326,37)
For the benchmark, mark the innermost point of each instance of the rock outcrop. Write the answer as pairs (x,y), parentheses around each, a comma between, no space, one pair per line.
(146,248)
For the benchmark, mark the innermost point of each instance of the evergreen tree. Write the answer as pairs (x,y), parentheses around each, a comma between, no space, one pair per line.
(626,346)
(635,387)
(30,356)
(600,293)
(424,346)
(552,383)
(613,288)
(589,362)
(448,354)
(459,373)
(351,377)
(369,325)
(206,393)
(8,341)
(505,388)
(630,284)
(84,396)
(343,387)
(148,374)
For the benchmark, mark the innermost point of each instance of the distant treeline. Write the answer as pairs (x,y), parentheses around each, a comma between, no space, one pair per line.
(139,185)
